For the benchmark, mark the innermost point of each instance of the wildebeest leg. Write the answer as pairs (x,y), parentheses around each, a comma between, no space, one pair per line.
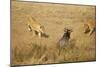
(60,50)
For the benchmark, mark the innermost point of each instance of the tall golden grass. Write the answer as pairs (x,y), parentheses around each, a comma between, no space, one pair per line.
(26,49)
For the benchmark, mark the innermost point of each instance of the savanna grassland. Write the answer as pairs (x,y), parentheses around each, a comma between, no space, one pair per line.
(26,49)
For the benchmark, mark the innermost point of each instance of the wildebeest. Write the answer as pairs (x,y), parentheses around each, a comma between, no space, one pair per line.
(36,27)
(89,27)
(64,39)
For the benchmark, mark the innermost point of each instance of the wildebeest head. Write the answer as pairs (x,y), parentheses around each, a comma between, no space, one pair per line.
(68,30)
(67,33)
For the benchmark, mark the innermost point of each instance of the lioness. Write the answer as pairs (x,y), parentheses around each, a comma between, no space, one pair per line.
(34,26)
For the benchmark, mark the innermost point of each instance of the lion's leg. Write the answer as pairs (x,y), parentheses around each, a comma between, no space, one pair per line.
(39,35)
(29,28)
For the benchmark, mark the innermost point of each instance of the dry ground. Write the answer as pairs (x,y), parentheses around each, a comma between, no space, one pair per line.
(26,49)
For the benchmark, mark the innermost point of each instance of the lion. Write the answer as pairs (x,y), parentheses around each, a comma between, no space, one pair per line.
(90,27)
(34,26)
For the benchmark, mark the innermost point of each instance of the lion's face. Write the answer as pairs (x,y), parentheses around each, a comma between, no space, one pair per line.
(86,28)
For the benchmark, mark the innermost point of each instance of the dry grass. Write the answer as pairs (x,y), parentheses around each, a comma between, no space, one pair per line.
(27,49)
